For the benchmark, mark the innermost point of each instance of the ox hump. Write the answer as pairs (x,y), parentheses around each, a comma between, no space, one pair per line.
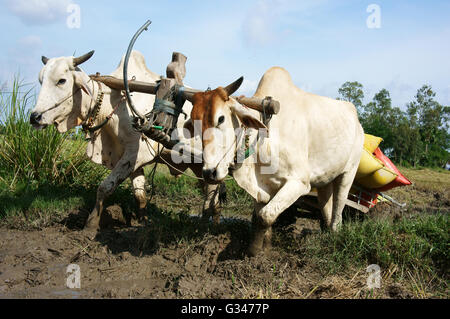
(275,81)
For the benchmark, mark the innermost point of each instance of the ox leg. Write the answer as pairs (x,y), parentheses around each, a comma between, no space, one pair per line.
(325,199)
(259,230)
(264,217)
(211,205)
(341,187)
(138,181)
(267,242)
(120,172)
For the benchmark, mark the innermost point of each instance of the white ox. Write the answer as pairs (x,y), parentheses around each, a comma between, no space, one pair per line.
(313,141)
(65,100)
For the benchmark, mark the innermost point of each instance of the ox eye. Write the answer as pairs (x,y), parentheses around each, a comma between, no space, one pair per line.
(221,120)
(61,82)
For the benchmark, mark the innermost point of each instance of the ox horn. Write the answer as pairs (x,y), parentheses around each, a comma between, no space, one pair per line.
(83,58)
(233,87)
(44,59)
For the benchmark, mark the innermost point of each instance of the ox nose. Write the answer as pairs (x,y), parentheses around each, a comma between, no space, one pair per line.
(35,118)
(209,175)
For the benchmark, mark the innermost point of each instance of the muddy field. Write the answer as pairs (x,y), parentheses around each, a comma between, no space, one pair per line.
(130,262)
(178,256)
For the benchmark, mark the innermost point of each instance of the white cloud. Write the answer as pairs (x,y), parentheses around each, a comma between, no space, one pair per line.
(38,12)
(270,20)
(258,23)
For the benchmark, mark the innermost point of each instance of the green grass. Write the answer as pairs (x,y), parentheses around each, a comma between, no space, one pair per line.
(42,173)
(180,188)
(186,192)
(418,246)
(38,157)
(45,198)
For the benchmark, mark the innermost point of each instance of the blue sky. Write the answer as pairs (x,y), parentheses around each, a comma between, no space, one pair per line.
(322,43)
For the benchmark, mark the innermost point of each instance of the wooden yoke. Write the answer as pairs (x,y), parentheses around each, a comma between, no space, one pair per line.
(177,68)
(168,105)
(170,97)
(266,105)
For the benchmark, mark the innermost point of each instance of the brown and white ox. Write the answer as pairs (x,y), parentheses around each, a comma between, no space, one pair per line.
(313,141)
(66,98)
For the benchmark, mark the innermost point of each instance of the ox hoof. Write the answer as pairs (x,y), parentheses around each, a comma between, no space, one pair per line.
(254,251)
(255,248)
(267,246)
(90,232)
(92,225)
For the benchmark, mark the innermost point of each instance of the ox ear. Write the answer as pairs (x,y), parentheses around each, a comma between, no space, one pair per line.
(246,117)
(81,83)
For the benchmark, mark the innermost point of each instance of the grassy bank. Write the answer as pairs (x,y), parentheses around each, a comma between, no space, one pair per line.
(410,250)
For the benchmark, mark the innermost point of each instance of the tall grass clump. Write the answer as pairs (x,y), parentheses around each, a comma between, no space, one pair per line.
(37,157)
(420,244)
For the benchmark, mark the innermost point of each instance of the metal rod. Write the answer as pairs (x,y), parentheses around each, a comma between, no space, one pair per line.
(389,198)
(125,69)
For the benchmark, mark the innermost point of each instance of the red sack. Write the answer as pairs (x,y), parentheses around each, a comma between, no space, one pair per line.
(401,180)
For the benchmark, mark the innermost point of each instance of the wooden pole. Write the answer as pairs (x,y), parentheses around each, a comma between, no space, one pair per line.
(270,106)
(117,84)
(267,105)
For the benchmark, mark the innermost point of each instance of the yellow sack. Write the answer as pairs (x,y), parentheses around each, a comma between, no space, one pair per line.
(368,164)
(371,142)
(378,179)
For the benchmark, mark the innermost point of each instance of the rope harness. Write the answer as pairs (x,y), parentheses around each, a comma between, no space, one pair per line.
(88,124)
(62,101)
(167,106)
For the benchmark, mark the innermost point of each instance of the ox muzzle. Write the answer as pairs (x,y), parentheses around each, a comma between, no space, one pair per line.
(36,120)
(210,176)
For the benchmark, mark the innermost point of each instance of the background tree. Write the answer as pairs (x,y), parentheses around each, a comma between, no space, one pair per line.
(418,136)
(431,120)
(380,118)
(352,92)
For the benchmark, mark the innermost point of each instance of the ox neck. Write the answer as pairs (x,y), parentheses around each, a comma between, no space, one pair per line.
(93,105)
(97,117)
(248,142)
(243,149)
